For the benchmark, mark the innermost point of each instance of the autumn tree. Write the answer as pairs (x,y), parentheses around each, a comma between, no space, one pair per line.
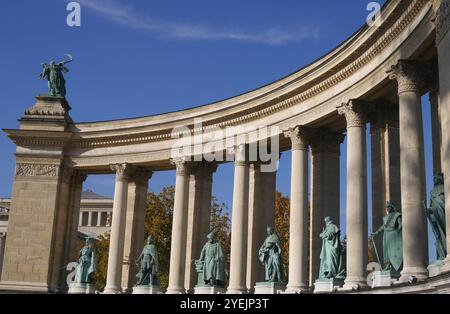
(282,212)
(158,224)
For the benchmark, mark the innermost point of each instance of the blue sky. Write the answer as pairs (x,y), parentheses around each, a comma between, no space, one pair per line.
(137,58)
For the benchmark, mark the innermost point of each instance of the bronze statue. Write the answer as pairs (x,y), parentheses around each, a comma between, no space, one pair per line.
(436,215)
(211,264)
(392,240)
(53,73)
(270,254)
(148,265)
(86,263)
(331,255)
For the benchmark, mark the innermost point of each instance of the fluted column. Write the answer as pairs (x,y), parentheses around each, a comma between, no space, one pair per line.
(298,220)
(199,217)
(385,155)
(436,131)
(443,48)
(357,232)
(179,228)
(410,77)
(261,214)
(116,244)
(239,223)
(135,225)
(325,189)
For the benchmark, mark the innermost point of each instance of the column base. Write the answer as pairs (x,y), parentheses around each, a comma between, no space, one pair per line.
(81,288)
(147,290)
(327,285)
(232,290)
(296,289)
(412,274)
(175,291)
(209,290)
(355,283)
(383,279)
(269,287)
(112,290)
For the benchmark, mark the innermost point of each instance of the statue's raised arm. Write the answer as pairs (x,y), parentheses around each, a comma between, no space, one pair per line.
(53,73)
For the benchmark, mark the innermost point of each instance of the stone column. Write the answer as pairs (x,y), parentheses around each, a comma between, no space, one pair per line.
(199,217)
(116,245)
(135,228)
(385,157)
(99,219)
(90,218)
(2,250)
(443,48)
(325,187)
(298,220)
(239,223)
(179,228)
(261,214)
(410,77)
(436,130)
(357,232)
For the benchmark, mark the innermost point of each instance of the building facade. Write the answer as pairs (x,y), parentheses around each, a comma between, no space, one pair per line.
(375,78)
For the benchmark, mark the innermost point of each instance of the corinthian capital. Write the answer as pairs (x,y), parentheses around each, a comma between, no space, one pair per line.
(204,169)
(442,21)
(240,152)
(411,76)
(355,112)
(142,175)
(182,166)
(299,136)
(123,171)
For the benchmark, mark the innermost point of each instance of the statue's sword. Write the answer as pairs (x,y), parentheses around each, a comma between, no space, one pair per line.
(376,251)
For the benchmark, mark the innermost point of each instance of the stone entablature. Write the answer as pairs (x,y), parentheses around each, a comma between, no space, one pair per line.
(307,96)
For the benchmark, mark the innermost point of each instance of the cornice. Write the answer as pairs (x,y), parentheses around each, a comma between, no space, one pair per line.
(395,24)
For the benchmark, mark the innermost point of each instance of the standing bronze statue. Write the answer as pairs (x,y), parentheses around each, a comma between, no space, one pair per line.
(86,263)
(270,254)
(436,215)
(392,240)
(148,265)
(211,264)
(53,73)
(331,255)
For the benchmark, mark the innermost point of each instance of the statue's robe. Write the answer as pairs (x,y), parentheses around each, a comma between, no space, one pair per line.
(149,265)
(214,262)
(437,208)
(56,79)
(270,256)
(86,265)
(392,240)
(330,255)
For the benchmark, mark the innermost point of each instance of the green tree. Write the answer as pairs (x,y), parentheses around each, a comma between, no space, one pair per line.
(158,224)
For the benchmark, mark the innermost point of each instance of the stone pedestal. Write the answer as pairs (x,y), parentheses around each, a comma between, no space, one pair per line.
(382,279)
(81,288)
(327,285)
(147,290)
(269,287)
(435,269)
(209,290)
